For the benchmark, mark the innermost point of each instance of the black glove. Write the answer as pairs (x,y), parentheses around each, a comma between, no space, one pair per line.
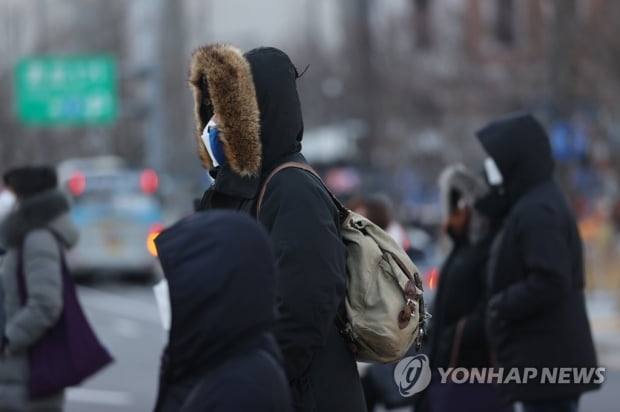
(494,311)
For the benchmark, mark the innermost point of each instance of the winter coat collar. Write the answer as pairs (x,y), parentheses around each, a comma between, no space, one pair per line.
(48,209)
(232,184)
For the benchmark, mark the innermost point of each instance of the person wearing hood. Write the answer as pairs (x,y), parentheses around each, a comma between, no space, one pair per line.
(41,209)
(221,355)
(257,127)
(457,338)
(536,313)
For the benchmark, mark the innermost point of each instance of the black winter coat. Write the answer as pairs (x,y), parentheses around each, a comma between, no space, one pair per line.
(221,355)
(303,224)
(536,275)
(461,304)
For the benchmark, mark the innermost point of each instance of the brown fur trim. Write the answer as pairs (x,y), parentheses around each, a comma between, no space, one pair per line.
(232,95)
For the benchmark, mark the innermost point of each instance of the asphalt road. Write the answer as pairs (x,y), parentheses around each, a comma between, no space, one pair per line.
(126,319)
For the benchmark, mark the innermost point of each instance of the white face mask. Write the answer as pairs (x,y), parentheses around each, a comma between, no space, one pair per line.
(8,202)
(494,176)
(207,141)
(162,297)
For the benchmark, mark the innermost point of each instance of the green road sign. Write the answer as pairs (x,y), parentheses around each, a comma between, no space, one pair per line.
(66,90)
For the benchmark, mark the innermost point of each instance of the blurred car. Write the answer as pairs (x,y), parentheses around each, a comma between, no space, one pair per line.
(119,215)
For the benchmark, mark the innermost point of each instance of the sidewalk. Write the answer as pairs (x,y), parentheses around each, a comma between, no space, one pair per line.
(605,321)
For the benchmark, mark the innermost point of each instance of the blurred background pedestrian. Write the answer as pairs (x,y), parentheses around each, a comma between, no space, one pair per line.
(457,336)
(26,235)
(536,312)
(378,208)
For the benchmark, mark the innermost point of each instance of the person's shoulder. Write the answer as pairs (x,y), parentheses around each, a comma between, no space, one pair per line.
(538,213)
(254,373)
(294,185)
(39,239)
(295,179)
(297,190)
(537,198)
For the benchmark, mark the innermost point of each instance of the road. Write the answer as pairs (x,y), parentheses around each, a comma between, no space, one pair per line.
(125,317)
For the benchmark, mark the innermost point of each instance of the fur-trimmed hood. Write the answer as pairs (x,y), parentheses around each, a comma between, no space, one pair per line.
(221,81)
(471,188)
(255,97)
(48,209)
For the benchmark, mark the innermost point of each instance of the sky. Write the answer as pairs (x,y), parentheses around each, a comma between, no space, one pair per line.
(276,23)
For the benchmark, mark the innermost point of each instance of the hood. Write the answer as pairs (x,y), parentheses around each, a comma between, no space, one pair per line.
(522,151)
(471,187)
(255,96)
(221,81)
(221,276)
(48,209)
(281,123)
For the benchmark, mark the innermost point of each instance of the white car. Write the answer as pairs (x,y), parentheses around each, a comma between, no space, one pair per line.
(119,215)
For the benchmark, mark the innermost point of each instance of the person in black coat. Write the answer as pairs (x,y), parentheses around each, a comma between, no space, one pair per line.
(221,355)
(458,313)
(537,314)
(457,338)
(249,121)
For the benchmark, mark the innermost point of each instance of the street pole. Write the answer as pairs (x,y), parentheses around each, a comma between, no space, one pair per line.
(43,26)
(562,61)
(365,76)
(173,57)
(563,75)
(154,125)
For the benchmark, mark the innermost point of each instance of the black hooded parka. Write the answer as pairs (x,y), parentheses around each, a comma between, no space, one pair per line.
(537,313)
(221,354)
(303,225)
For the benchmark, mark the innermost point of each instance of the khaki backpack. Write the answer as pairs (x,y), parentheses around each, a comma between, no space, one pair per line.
(385,312)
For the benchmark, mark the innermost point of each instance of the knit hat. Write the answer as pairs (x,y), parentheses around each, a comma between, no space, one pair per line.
(30,180)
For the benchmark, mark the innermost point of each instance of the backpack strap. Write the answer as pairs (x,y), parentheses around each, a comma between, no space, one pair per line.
(343,212)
